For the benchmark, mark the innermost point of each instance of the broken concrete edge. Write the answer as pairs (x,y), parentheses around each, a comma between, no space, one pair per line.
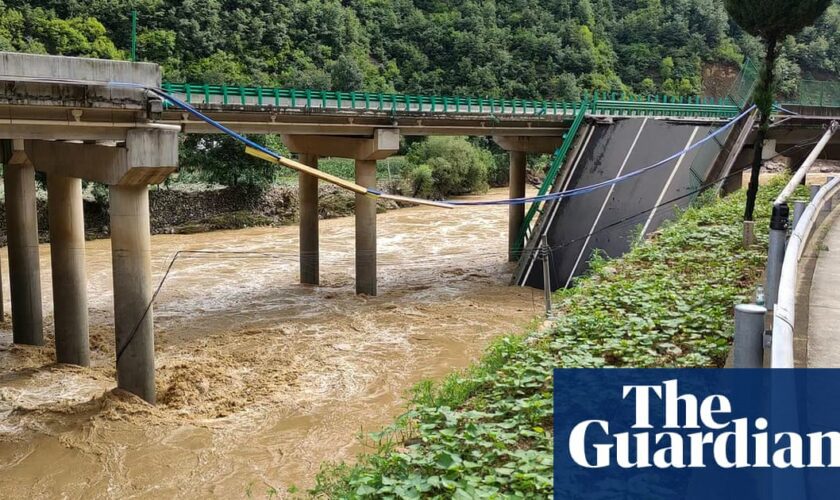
(18,66)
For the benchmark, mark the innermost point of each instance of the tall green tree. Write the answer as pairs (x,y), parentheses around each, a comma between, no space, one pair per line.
(771,20)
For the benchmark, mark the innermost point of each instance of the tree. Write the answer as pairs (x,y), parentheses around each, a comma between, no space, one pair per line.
(443,166)
(221,160)
(771,20)
(346,74)
(220,67)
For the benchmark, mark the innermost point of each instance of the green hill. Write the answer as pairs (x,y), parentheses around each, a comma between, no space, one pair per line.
(519,48)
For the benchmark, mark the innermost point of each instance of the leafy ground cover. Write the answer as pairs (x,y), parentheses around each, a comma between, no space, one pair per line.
(487,432)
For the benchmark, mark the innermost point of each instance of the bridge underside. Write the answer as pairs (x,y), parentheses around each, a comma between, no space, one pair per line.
(610,218)
(293,121)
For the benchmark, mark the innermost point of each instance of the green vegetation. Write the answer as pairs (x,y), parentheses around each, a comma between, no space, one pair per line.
(513,48)
(39,31)
(218,159)
(487,431)
(444,166)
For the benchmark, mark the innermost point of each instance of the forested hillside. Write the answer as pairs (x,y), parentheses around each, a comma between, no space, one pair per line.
(521,48)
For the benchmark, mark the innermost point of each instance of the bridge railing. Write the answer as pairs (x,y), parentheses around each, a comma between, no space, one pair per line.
(328,99)
(557,162)
(601,103)
(784,312)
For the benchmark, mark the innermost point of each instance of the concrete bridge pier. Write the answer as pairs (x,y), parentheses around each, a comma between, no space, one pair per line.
(518,148)
(24,260)
(516,213)
(2,309)
(148,157)
(365,150)
(69,279)
(366,229)
(84,130)
(131,261)
(308,195)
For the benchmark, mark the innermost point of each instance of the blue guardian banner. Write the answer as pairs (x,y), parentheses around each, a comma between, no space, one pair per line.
(696,434)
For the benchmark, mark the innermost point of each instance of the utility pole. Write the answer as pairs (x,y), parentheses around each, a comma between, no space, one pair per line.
(544,255)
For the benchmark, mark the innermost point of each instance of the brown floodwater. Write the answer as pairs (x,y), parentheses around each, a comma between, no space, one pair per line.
(259,380)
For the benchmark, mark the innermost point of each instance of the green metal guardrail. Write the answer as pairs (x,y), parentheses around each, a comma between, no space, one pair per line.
(550,176)
(605,103)
(308,98)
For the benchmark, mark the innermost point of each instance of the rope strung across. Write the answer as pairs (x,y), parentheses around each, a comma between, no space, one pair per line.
(264,153)
(259,151)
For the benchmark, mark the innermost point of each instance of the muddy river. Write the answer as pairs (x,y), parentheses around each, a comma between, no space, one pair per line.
(259,379)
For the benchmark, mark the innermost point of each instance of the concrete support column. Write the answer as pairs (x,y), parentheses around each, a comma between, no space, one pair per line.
(69,280)
(24,261)
(365,230)
(2,309)
(517,212)
(131,257)
(308,194)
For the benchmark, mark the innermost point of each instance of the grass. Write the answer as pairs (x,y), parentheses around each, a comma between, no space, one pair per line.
(486,432)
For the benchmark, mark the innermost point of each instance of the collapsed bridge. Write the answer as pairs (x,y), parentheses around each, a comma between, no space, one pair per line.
(116,123)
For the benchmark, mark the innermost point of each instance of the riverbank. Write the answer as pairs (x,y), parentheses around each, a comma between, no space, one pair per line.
(184,209)
(486,431)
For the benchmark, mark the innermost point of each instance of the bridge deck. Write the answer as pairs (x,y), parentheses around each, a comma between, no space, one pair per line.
(265,110)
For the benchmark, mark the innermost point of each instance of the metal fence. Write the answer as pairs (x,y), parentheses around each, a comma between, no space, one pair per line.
(824,94)
(598,103)
(741,91)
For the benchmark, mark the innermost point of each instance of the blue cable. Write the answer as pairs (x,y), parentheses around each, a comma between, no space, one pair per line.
(198,114)
(511,201)
(610,182)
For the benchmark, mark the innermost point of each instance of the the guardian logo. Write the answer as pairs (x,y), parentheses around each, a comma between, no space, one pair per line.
(696,434)
(691,431)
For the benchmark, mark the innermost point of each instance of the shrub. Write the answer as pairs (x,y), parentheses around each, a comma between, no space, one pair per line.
(456,167)
(101,194)
(422,181)
(498,175)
